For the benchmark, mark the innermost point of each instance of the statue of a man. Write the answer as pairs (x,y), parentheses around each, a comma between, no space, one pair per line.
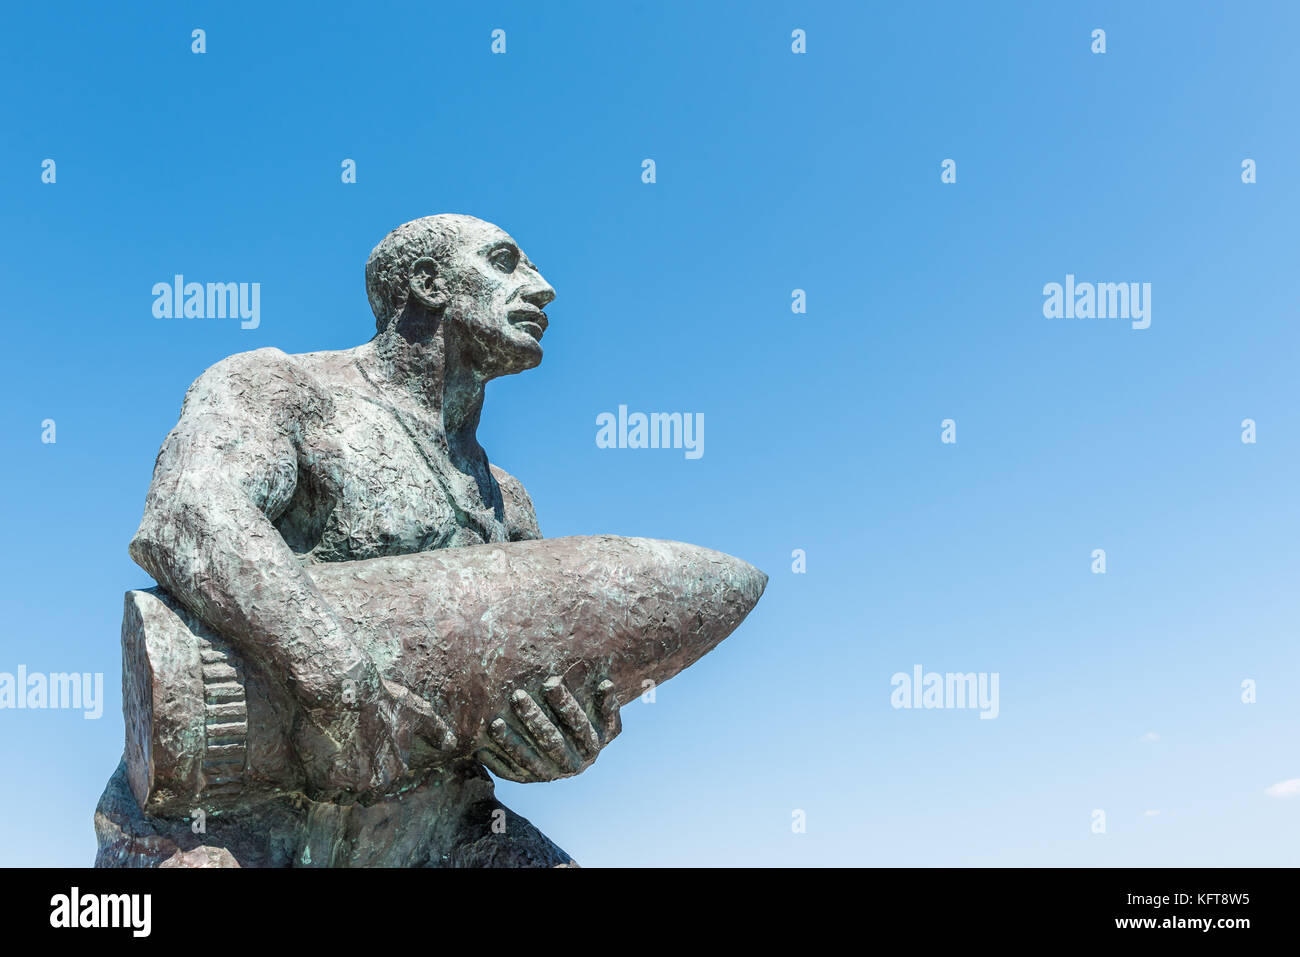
(282,461)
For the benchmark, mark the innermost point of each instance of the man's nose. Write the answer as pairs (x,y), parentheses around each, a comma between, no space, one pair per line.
(539,296)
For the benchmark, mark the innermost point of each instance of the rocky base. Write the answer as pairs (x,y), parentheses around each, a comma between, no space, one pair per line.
(451,819)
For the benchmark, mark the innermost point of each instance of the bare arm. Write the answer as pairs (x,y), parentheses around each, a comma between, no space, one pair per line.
(550,735)
(521,517)
(224,474)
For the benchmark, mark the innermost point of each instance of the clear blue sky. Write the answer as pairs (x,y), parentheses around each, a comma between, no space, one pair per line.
(775,171)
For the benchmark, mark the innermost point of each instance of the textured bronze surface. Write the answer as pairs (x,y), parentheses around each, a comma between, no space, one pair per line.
(356,612)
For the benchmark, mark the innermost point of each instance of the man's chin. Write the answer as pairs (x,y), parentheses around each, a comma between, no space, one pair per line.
(532,356)
(525,344)
(532,362)
(516,357)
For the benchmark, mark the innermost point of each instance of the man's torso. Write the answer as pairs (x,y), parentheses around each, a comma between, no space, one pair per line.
(375,476)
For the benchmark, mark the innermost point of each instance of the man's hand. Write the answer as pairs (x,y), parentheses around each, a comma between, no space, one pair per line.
(554,744)
(371,741)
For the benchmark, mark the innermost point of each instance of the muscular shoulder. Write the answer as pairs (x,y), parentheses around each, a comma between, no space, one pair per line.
(521,518)
(267,383)
(241,421)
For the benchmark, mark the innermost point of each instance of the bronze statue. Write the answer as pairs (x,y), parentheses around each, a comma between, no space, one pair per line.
(356,611)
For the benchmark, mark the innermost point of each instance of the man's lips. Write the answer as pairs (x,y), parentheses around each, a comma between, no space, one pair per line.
(532,319)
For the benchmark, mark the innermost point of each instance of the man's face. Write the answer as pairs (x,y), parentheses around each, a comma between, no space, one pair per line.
(495,299)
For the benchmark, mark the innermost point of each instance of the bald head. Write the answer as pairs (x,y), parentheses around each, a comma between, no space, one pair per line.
(471,278)
(388,270)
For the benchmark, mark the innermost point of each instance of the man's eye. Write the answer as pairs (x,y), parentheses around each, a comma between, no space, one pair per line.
(505,260)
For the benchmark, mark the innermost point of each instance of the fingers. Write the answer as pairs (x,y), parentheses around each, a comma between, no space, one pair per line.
(547,735)
(503,768)
(544,751)
(514,748)
(434,730)
(571,714)
(428,724)
(607,707)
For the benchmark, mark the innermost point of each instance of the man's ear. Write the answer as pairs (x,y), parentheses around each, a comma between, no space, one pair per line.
(427,286)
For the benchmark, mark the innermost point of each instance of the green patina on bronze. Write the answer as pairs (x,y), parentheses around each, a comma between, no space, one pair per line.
(356,612)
